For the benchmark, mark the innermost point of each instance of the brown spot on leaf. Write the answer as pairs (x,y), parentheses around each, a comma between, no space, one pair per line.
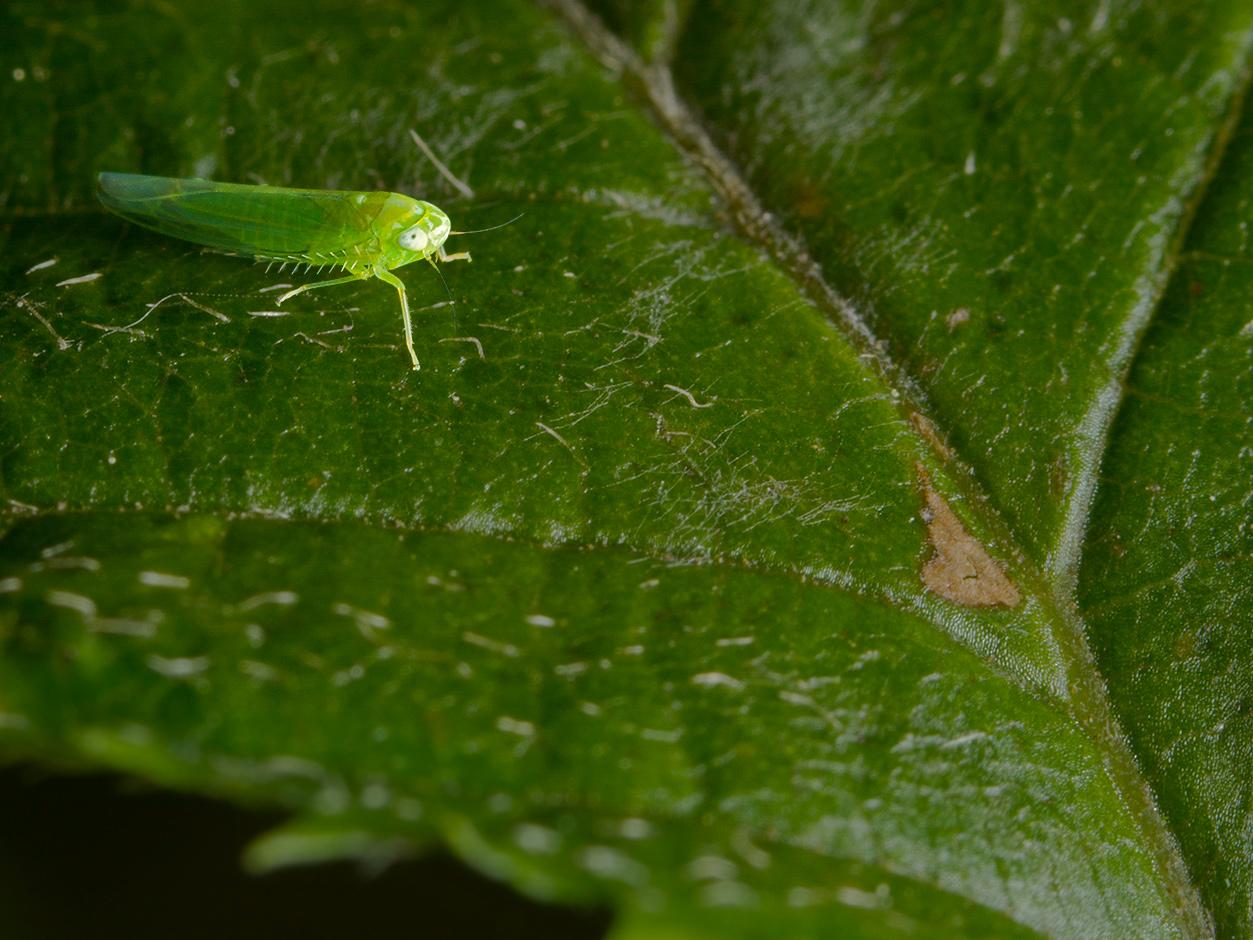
(961,570)
(810,202)
(1059,475)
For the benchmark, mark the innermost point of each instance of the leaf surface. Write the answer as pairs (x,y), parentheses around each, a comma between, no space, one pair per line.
(731,558)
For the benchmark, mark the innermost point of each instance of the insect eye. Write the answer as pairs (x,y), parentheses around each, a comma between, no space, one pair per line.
(414,239)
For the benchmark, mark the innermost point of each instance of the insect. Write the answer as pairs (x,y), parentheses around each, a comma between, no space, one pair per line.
(362,234)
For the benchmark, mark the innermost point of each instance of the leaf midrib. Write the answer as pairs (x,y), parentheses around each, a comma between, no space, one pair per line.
(1053,586)
(1099,416)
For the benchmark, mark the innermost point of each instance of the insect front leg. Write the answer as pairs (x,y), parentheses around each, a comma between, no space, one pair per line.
(304,287)
(458,256)
(384,275)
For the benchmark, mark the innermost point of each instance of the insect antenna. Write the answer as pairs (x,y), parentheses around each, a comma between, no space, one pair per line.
(441,277)
(479,231)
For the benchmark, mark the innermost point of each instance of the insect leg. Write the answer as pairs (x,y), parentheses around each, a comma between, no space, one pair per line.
(458,256)
(338,280)
(384,275)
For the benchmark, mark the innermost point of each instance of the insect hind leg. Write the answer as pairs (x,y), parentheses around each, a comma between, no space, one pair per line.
(332,282)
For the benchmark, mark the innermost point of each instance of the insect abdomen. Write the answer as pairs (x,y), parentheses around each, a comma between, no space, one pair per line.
(352,258)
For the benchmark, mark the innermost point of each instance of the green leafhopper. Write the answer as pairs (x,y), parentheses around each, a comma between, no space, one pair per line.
(363,234)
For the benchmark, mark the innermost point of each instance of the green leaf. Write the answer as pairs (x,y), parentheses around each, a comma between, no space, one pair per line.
(823,514)
(1166,580)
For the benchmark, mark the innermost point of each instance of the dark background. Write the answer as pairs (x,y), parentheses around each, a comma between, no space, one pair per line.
(62,876)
